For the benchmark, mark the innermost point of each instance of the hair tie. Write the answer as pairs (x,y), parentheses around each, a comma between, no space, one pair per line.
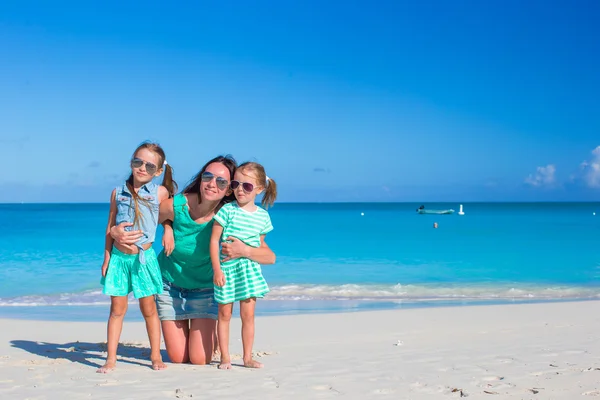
(268,179)
(165,162)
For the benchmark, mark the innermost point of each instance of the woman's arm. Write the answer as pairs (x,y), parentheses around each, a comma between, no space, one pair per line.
(235,248)
(123,237)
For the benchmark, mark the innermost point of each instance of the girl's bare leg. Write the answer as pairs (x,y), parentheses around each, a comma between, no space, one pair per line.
(118,308)
(223,333)
(176,335)
(148,309)
(216,352)
(247,313)
(201,340)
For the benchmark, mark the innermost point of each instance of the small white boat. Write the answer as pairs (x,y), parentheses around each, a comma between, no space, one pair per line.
(426,211)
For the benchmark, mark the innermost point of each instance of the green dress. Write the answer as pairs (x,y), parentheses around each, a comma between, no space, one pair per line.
(243,277)
(189,265)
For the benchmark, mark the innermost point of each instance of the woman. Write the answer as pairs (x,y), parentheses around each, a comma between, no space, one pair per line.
(186,307)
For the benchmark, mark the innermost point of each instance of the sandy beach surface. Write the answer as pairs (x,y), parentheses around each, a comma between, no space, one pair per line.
(525,351)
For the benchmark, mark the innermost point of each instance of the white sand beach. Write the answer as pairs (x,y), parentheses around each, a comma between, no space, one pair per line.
(526,351)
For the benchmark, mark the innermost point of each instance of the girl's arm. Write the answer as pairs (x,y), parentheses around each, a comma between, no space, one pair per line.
(108,240)
(166,210)
(235,248)
(166,217)
(163,194)
(215,259)
(168,239)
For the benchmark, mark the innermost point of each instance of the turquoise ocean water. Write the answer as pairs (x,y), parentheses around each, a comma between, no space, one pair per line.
(330,257)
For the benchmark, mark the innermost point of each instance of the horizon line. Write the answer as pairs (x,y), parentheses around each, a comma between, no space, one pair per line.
(349,202)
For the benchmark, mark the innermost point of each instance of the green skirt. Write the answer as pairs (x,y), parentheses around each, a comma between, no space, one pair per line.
(126,274)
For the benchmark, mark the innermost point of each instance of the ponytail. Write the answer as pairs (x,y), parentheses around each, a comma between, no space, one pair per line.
(168,181)
(270,193)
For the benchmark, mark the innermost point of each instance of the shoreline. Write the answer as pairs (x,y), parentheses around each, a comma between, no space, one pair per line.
(542,350)
(267,308)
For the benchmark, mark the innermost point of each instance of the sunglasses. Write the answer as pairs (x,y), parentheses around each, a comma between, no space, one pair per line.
(247,186)
(222,183)
(150,168)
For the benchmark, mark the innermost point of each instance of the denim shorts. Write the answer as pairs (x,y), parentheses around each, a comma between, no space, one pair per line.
(175,303)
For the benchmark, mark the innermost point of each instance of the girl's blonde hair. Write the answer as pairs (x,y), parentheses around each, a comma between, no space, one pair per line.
(167,182)
(262,180)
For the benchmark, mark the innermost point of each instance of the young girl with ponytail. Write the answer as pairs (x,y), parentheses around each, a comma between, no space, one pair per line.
(241,279)
(134,268)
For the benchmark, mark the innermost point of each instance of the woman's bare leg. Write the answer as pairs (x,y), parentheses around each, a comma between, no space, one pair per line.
(201,339)
(176,335)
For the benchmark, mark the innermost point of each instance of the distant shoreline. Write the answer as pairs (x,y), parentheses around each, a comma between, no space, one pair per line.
(355,202)
(268,308)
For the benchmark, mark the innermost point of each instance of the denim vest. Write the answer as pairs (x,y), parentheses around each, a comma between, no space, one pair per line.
(147,209)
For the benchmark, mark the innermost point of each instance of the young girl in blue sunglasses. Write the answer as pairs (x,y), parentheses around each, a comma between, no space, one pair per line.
(134,268)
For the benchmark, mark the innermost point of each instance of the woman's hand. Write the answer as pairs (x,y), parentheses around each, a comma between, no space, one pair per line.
(123,237)
(234,248)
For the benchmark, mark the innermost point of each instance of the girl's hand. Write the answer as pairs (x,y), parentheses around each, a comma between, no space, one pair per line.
(219,279)
(168,241)
(234,248)
(104,269)
(123,237)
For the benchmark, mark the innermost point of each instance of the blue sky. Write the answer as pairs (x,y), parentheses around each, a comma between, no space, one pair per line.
(340,100)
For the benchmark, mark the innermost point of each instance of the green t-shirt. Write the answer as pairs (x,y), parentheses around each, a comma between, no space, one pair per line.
(189,265)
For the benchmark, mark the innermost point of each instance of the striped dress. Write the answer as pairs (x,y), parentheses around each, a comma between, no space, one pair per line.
(243,277)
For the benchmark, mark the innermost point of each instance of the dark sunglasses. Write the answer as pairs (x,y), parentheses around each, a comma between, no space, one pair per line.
(222,183)
(247,186)
(150,168)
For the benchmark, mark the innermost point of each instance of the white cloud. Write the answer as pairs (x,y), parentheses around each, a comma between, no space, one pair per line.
(543,177)
(590,170)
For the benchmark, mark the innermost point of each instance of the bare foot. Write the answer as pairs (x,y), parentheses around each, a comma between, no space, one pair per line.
(252,364)
(107,367)
(158,364)
(225,363)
